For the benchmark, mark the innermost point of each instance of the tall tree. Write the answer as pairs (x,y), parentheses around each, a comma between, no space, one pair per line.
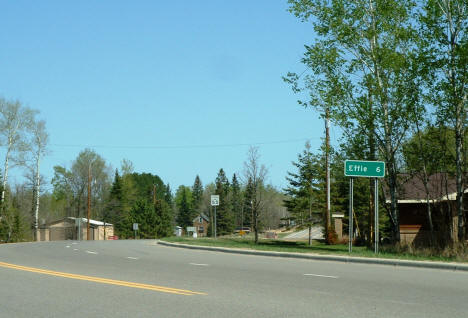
(363,72)
(236,201)
(197,194)
(256,173)
(15,121)
(304,186)
(39,142)
(72,184)
(224,217)
(185,213)
(444,46)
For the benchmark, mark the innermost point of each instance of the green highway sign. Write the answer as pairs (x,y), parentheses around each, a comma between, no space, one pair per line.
(361,168)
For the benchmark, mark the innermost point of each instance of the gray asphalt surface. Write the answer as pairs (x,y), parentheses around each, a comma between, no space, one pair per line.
(235,285)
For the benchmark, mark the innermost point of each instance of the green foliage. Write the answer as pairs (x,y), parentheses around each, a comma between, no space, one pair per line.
(365,74)
(185,212)
(224,216)
(305,190)
(247,202)
(236,201)
(197,195)
(131,200)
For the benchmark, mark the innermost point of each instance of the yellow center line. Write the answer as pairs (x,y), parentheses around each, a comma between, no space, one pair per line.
(103,280)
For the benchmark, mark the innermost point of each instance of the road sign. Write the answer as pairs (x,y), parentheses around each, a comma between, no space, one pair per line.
(214,200)
(135,226)
(361,168)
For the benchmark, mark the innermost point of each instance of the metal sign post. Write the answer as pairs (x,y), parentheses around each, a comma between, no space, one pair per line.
(351,230)
(135,229)
(215,203)
(376,220)
(368,169)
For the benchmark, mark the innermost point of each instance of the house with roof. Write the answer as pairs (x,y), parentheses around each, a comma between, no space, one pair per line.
(201,223)
(71,228)
(413,209)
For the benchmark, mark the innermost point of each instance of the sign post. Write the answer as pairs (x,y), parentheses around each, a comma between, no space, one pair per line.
(366,169)
(135,229)
(215,203)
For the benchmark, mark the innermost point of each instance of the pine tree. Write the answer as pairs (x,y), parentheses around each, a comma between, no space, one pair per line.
(224,218)
(236,201)
(197,195)
(185,214)
(164,218)
(247,204)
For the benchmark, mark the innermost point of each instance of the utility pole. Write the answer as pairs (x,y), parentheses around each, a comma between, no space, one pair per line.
(89,199)
(327,164)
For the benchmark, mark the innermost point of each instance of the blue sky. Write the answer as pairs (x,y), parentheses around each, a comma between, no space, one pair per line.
(180,88)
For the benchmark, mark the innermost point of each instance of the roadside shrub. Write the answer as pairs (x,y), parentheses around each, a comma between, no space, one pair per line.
(332,238)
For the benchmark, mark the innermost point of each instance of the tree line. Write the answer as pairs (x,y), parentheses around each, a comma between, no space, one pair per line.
(393,75)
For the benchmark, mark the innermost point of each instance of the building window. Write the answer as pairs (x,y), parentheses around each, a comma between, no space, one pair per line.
(201,229)
(200,220)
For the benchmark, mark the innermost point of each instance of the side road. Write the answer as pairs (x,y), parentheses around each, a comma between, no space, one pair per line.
(344,259)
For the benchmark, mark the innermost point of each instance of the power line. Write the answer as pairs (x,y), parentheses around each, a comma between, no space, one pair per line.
(183,146)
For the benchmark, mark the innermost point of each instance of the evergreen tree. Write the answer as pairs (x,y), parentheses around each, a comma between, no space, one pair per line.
(164,218)
(236,201)
(184,206)
(197,195)
(224,218)
(247,203)
(144,214)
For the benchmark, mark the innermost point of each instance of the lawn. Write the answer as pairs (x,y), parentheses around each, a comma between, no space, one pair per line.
(300,247)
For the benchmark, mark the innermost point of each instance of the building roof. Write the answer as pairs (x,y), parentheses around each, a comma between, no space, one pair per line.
(94,222)
(441,187)
(207,219)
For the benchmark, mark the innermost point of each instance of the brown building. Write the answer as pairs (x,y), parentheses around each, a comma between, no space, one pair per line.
(412,206)
(71,228)
(201,223)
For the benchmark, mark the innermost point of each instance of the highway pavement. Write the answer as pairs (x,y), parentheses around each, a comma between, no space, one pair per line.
(141,279)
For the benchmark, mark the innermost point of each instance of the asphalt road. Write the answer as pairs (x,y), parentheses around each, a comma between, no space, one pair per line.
(142,279)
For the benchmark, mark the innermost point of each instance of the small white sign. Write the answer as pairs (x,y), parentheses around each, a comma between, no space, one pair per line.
(214,200)
(135,226)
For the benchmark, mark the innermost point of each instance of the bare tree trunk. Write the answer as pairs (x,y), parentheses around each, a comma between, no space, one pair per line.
(5,174)
(37,189)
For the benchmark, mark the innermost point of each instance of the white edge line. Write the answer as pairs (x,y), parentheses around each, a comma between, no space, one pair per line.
(129,257)
(197,264)
(317,275)
(90,252)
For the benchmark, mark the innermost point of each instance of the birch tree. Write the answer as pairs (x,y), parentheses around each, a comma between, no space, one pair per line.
(362,70)
(39,142)
(15,120)
(445,48)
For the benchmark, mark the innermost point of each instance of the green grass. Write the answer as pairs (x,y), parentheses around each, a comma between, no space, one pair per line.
(300,247)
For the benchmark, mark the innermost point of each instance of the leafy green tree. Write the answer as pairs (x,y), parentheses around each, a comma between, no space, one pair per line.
(71,185)
(224,217)
(444,55)
(364,74)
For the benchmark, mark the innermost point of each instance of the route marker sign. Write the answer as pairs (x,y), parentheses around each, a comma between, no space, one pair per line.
(362,168)
(214,200)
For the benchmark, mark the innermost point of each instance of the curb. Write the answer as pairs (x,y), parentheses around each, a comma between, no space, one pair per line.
(343,259)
